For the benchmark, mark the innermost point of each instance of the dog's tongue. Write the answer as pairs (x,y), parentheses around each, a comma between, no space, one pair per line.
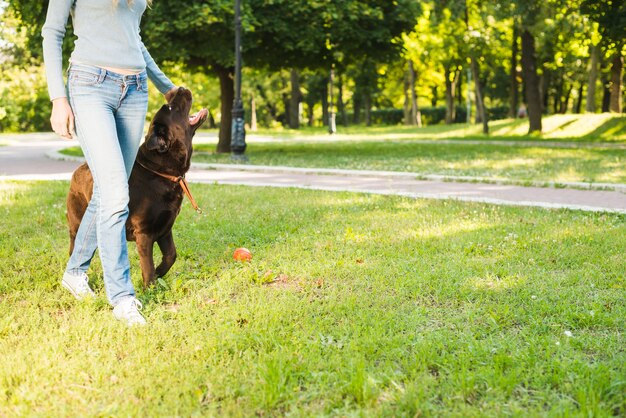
(194,119)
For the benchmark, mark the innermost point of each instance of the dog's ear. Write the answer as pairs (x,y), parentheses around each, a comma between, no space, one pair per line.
(156,140)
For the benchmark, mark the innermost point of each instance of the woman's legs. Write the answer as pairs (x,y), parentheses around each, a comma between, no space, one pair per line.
(109,115)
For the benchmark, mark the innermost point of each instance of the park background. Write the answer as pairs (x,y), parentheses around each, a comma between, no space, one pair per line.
(354,304)
(401,62)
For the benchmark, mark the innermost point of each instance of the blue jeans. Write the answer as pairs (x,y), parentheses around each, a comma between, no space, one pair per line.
(109,114)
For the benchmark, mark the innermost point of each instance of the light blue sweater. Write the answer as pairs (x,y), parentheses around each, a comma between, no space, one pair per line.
(108,36)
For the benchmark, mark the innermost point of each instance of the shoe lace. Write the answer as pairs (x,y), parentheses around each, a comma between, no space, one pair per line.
(133,309)
(137,304)
(83,285)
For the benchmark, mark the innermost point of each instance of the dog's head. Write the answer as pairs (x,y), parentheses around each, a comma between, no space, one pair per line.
(172,127)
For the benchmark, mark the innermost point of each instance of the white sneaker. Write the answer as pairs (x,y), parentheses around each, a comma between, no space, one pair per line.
(128,310)
(77,284)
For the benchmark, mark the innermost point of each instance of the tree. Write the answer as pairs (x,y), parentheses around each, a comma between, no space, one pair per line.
(420,52)
(611,19)
(448,23)
(474,37)
(528,15)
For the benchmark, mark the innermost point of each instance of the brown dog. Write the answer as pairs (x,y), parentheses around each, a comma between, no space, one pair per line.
(155,196)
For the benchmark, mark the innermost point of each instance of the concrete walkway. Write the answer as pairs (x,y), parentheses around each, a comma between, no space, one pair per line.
(30,160)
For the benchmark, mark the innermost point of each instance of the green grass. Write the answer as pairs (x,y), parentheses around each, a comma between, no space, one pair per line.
(73,152)
(603,127)
(529,159)
(354,305)
(490,161)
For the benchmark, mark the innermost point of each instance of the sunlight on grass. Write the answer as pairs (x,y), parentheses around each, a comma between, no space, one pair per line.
(372,150)
(572,127)
(375,149)
(353,305)
(10,192)
(449,229)
(495,283)
(567,126)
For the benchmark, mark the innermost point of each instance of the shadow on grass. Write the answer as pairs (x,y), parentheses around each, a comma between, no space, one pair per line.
(395,306)
(613,129)
(559,128)
(489,161)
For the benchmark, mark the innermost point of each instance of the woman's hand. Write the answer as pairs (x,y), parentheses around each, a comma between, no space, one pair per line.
(171,93)
(62,118)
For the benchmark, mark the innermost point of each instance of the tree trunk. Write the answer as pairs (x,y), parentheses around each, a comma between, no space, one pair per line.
(416,116)
(407,99)
(357,102)
(565,100)
(226,76)
(411,111)
(480,106)
(579,100)
(606,95)
(294,101)
(325,104)
(531,80)
(332,124)
(460,100)
(590,105)
(616,81)
(310,106)
(341,106)
(286,99)
(514,88)
(367,101)
(271,108)
(211,120)
(433,100)
(558,96)
(450,93)
(544,82)
(253,121)
(310,113)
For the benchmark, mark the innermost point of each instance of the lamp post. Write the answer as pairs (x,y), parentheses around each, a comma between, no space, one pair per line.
(238,132)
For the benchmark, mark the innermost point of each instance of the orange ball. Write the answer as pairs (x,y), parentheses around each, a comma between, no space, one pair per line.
(242,254)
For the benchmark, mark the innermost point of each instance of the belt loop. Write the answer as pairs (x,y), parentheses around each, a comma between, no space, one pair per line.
(138,80)
(102,76)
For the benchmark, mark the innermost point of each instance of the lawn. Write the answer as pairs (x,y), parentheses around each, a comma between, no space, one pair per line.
(602,127)
(495,162)
(574,148)
(354,305)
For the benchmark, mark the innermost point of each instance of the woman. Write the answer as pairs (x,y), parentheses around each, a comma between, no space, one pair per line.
(105,108)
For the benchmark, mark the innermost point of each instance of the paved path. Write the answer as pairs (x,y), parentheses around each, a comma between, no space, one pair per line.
(589,200)
(28,159)
(25,157)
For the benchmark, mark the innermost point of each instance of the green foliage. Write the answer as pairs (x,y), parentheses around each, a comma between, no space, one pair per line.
(270,35)
(198,33)
(611,19)
(205,89)
(31,16)
(24,102)
(368,42)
